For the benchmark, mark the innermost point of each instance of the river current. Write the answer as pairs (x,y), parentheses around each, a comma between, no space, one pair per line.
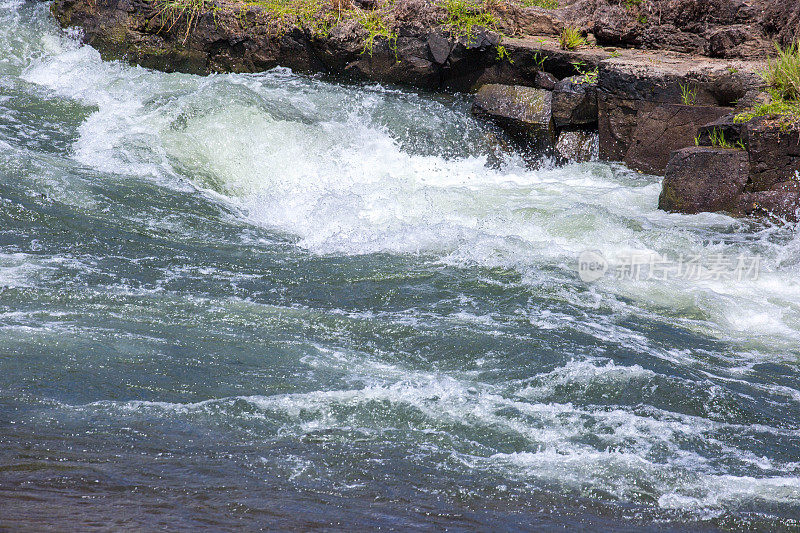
(282,301)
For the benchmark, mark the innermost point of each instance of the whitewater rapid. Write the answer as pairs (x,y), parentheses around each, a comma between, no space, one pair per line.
(473,345)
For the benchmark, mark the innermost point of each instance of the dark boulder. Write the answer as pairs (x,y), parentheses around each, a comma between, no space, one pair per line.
(704,179)
(544,80)
(524,112)
(439,46)
(774,149)
(575,102)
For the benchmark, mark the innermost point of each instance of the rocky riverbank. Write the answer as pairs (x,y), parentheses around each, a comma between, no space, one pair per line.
(661,108)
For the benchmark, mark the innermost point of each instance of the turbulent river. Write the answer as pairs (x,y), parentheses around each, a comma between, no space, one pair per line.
(281,301)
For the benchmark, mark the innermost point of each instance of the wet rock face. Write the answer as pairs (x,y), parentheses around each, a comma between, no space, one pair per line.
(524,112)
(704,179)
(783,204)
(774,153)
(663,130)
(767,185)
(577,146)
(575,102)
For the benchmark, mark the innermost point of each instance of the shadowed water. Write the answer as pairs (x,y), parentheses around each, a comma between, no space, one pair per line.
(276,301)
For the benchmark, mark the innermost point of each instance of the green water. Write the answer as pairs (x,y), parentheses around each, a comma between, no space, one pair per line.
(278,301)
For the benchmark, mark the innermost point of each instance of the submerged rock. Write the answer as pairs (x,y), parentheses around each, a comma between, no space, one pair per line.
(524,112)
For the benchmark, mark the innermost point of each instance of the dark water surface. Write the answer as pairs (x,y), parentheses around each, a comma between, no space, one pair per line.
(272,301)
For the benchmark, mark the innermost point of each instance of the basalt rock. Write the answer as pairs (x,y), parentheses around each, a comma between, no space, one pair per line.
(544,80)
(532,21)
(718,28)
(701,179)
(577,145)
(781,204)
(524,112)
(575,102)
(663,130)
(774,149)
(631,89)
(767,185)
(724,127)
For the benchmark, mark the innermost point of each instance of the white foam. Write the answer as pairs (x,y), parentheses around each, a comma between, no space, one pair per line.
(320,162)
(626,454)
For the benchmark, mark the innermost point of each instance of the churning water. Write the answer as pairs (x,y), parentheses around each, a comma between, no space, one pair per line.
(278,301)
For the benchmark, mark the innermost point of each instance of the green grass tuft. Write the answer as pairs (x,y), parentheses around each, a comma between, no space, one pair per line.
(547,4)
(783,72)
(570,39)
(688,94)
(718,139)
(464,16)
(315,16)
(787,110)
(377,26)
(783,77)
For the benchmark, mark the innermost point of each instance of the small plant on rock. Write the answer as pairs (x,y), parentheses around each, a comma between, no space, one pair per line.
(377,26)
(570,39)
(783,76)
(718,139)
(172,12)
(783,72)
(688,94)
(502,54)
(587,75)
(788,110)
